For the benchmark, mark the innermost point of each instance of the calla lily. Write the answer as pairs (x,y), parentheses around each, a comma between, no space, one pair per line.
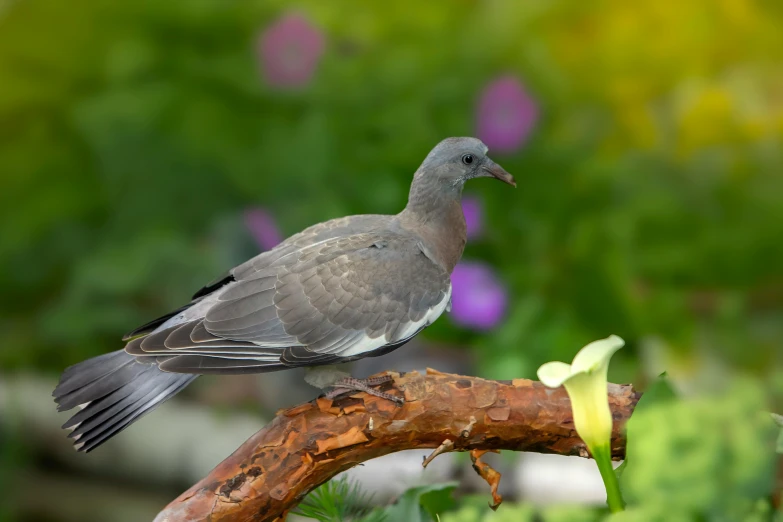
(585,380)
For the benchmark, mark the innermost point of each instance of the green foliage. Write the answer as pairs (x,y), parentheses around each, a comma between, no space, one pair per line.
(761,511)
(477,513)
(12,461)
(709,457)
(340,501)
(650,513)
(659,392)
(522,512)
(422,503)
(779,421)
(649,183)
(569,514)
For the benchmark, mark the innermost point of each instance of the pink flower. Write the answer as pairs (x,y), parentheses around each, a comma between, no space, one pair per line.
(263,228)
(478,300)
(289,51)
(474,216)
(506,114)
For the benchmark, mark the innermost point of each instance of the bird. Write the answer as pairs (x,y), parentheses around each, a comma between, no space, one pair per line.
(348,288)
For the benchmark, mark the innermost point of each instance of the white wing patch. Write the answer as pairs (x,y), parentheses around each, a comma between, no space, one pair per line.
(366,344)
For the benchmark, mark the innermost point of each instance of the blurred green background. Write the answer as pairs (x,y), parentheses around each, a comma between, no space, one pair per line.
(135,133)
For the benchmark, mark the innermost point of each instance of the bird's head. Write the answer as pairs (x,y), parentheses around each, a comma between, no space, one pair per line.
(453,161)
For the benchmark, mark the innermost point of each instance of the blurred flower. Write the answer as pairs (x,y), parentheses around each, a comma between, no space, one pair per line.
(478,299)
(708,118)
(263,228)
(585,380)
(506,114)
(289,51)
(473,211)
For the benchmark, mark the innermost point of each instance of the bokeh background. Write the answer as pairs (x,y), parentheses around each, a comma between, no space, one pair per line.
(147,146)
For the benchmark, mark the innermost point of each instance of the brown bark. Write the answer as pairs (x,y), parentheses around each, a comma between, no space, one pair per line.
(307,445)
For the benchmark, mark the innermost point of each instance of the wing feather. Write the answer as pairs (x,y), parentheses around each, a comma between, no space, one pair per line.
(319,298)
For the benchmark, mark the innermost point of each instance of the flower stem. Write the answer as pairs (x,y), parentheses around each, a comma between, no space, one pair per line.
(603,458)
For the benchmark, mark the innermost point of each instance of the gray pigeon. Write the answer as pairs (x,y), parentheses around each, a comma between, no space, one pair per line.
(353,287)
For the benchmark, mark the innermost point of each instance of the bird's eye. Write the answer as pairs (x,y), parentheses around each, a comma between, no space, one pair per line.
(467,159)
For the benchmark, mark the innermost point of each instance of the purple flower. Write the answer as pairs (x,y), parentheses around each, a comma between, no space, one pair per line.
(506,114)
(474,216)
(289,51)
(263,228)
(478,300)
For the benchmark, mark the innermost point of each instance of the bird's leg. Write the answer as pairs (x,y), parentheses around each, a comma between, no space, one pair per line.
(349,384)
(377,381)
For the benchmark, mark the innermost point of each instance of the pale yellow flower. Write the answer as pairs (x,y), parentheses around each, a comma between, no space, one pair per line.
(585,380)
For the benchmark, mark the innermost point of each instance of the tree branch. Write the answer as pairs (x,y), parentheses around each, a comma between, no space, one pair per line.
(307,445)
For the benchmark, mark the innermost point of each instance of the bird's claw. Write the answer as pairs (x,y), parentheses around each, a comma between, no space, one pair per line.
(350,384)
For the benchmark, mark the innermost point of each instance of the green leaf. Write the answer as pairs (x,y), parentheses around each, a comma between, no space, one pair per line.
(422,503)
(659,392)
(336,501)
(438,500)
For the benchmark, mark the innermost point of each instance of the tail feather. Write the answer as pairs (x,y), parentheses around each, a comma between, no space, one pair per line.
(113,390)
(105,407)
(91,438)
(82,374)
(124,371)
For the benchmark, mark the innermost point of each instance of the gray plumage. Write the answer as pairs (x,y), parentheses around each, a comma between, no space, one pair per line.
(348,288)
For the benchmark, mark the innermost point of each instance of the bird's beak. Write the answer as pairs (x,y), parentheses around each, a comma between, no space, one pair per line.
(496,171)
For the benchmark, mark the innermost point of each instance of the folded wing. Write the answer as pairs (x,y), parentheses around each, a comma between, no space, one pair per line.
(337,299)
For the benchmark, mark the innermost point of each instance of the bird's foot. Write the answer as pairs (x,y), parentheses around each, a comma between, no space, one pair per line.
(351,384)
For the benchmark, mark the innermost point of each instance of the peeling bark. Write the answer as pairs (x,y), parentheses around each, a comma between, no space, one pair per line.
(307,445)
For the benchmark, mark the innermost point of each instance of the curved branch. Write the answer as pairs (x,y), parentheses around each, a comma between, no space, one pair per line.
(307,445)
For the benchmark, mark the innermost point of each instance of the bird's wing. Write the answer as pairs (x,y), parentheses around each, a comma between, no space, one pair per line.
(315,234)
(335,228)
(344,226)
(335,299)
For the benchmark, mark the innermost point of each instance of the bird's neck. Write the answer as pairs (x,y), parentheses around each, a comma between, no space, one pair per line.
(435,214)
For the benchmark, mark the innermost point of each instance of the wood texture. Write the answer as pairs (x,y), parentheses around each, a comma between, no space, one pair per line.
(307,445)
